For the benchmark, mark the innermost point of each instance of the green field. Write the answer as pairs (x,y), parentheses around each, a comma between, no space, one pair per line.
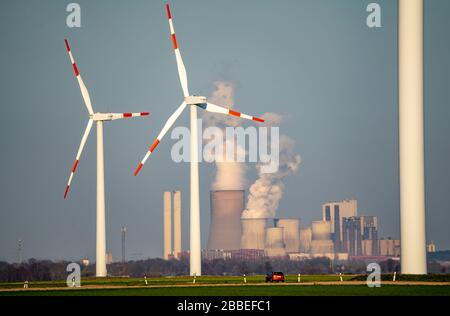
(175,281)
(228,286)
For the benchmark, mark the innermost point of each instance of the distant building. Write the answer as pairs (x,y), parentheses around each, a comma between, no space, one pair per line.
(431,247)
(298,256)
(334,212)
(352,237)
(214,254)
(248,254)
(369,230)
(389,247)
(109,258)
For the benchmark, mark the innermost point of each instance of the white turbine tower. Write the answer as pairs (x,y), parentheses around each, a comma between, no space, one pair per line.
(411,143)
(194,102)
(99,118)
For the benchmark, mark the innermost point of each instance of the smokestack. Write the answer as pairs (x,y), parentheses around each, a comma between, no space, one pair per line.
(411,143)
(167,225)
(225,227)
(123,231)
(177,224)
(274,242)
(291,233)
(253,233)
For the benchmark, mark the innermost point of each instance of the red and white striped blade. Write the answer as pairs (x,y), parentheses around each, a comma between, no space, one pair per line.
(169,123)
(116,116)
(80,150)
(84,90)
(218,109)
(181,68)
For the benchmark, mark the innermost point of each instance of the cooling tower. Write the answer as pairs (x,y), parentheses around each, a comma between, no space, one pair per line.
(305,240)
(274,242)
(291,235)
(253,233)
(167,217)
(321,230)
(225,227)
(177,224)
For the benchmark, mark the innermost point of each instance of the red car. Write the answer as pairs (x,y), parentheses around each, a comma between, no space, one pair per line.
(275,277)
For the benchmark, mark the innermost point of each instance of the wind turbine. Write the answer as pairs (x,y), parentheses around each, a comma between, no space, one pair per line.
(193,101)
(99,118)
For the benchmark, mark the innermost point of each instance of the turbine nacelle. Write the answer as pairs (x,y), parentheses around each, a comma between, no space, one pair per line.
(101,116)
(114,116)
(195,100)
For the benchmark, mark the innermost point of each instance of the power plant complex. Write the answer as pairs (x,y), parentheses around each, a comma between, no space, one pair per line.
(341,234)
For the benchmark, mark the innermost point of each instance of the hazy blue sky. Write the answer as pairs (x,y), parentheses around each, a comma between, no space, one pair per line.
(315,62)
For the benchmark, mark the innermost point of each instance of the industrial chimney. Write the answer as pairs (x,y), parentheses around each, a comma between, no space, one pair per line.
(177,224)
(225,227)
(168,251)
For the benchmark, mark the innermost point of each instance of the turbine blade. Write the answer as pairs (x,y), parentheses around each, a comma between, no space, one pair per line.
(169,123)
(180,65)
(80,150)
(218,109)
(84,90)
(117,116)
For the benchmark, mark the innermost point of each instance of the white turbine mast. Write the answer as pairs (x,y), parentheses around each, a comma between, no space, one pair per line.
(194,102)
(99,118)
(411,137)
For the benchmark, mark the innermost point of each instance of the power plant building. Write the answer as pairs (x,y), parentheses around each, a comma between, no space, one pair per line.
(334,212)
(340,235)
(352,236)
(369,230)
(389,247)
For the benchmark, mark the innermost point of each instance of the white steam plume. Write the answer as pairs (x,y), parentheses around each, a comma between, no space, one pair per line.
(266,192)
(230,175)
